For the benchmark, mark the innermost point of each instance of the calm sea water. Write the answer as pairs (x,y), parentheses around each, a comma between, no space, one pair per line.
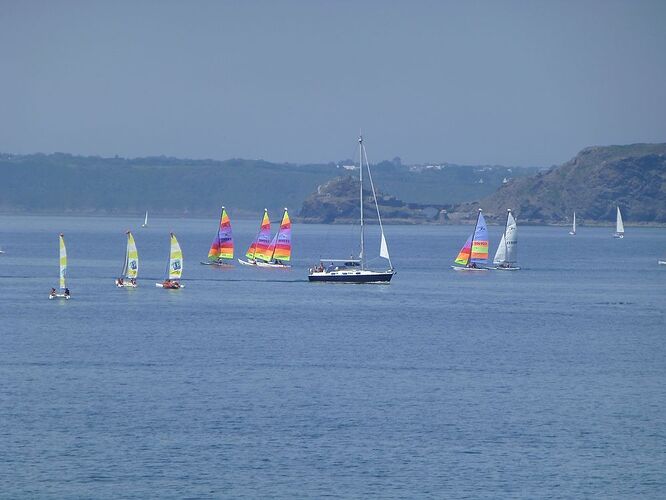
(548,382)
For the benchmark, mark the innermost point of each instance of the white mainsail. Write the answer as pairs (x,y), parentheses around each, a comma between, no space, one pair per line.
(619,225)
(507,251)
(573,228)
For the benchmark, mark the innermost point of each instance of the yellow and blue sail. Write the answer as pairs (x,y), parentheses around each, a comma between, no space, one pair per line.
(175,259)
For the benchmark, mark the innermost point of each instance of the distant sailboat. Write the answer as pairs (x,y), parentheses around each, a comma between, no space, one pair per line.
(573,228)
(63,272)
(619,225)
(222,249)
(145,220)
(354,270)
(507,251)
(130,266)
(279,250)
(475,249)
(259,249)
(174,266)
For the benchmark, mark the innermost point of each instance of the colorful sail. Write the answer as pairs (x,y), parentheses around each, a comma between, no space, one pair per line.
(259,249)
(465,252)
(63,262)
(223,244)
(282,247)
(131,268)
(479,252)
(175,259)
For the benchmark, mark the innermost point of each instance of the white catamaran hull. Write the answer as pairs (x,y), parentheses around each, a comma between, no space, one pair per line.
(126,284)
(272,265)
(662,262)
(59,296)
(506,268)
(248,262)
(618,235)
(217,263)
(161,285)
(470,269)
(352,276)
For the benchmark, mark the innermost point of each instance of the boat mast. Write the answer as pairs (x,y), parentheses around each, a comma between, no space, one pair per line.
(360,170)
(471,246)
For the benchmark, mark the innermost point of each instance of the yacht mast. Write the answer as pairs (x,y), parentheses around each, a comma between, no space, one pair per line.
(360,170)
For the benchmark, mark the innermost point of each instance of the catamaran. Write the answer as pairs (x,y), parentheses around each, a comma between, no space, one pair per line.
(130,270)
(619,225)
(475,249)
(279,250)
(354,270)
(174,266)
(259,249)
(573,228)
(145,221)
(507,251)
(63,272)
(221,250)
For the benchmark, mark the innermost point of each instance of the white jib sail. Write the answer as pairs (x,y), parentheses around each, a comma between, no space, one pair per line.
(507,251)
(383,248)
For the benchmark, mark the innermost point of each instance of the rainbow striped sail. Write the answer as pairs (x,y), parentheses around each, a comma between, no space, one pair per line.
(131,267)
(223,244)
(63,261)
(475,249)
(282,242)
(175,259)
(259,249)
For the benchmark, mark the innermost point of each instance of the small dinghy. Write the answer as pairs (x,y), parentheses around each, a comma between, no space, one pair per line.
(130,270)
(145,221)
(573,228)
(174,269)
(63,271)
(619,225)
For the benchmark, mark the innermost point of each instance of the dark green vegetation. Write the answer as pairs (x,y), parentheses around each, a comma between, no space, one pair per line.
(593,183)
(63,183)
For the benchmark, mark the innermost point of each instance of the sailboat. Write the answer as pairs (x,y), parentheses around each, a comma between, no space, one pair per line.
(174,266)
(145,221)
(258,250)
(63,272)
(619,225)
(507,251)
(475,249)
(573,228)
(279,250)
(130,270)
(222,249)
(354,270)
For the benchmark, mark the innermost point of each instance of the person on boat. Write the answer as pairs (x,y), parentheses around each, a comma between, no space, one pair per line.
(133,281)
(53,292)
(473,265)
(120,281)
(66,292)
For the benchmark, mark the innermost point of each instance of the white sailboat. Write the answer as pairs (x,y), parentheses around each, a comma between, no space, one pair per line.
(573,228)
(507,251)
(145,220)
(354,270)
(619,225)
(174,269)
(130,266)
(63,272)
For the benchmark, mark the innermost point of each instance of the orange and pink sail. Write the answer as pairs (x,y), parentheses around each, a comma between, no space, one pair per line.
(260,247)
(475,249)
(280,248)
(223,244)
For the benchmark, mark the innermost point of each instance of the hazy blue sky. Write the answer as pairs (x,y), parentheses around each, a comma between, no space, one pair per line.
(516,83)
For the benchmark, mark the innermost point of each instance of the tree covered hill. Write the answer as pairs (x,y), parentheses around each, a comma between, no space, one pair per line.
(64,183)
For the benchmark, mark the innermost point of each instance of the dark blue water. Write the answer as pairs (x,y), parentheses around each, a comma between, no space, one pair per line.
(547,382)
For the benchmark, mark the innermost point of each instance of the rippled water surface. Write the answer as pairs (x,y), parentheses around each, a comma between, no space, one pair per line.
(547,382)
